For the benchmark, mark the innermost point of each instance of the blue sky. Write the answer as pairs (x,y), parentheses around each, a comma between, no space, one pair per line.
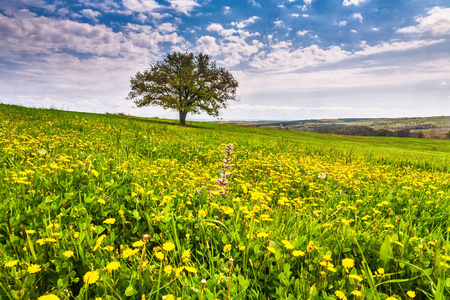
(294,59)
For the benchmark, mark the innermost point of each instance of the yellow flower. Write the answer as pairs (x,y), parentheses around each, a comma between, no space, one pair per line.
(391,298)
(355,277)
(340,295)
(129,252)
(49,297)
(348,263)
(11,263)
(121,212)
(91,277)
(191,269)
(68,253)
(287,244)
(169,297)
(138,244)
(202,213)
(227,248)
(168,246)
(30,231)
(357,293)
(298,253)
(186,256)
(168,269)
(411,294)
(33,268)
(380,271)
(327,257)
(159,255)
(271,249)
(262,234)
(109,221)
(99,241)
(112,266)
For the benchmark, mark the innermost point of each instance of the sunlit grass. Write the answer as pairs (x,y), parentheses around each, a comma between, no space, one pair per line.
(111,207)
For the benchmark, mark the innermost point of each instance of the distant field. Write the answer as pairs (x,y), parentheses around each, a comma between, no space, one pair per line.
(117,207)
(429,127)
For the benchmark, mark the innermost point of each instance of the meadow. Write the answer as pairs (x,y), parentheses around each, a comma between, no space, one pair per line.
(115,207)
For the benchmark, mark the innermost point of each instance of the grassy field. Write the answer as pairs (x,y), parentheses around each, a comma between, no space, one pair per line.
(115,207)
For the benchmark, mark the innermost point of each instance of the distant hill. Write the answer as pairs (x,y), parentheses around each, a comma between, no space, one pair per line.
(426,127)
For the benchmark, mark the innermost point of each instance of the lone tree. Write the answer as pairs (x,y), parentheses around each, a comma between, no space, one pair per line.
(186,83)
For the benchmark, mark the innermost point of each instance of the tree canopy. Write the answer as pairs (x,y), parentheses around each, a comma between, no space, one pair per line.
(186,83)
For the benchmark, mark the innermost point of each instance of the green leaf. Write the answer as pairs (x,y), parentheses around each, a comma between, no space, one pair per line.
(130,291)
(386,253)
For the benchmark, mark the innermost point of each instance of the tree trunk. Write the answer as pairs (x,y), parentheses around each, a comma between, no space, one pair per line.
(183,117)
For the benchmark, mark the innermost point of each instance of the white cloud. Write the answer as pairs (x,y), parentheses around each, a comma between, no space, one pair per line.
(342,23)
(354,31)
(307,2)
(437,22)
(167,27)
(141,5)
(302,32)
(353,2)
(220,30)
(376,29)
(91,14)
(243,24)
(226,10)
(254,3)
(395,47)
(183,6)
(358,17)
(278,23)
(208,45)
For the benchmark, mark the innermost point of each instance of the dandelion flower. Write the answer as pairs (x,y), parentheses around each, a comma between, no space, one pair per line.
(380,271)
(227,248)
(33,268)
(168,246)
(411,294)
(186,256)
(112,266)
(129,252)
(11,263)
(168,269)
(391,298)
(262,234)
(169,297)
(68,253)
(138,244)
(298,253)
(355,277)
(49,297)
(271,249)
(91,277)
(30,231)
(191,269)
(340,295)
(159,255)
(357,293)
(348,263)
(109,221)
(287,244)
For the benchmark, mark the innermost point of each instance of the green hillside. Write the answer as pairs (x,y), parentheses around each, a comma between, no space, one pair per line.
(118,207)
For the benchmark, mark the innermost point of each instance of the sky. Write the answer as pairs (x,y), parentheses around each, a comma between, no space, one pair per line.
(293,59)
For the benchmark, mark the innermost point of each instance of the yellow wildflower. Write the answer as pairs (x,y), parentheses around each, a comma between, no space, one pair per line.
(68,253)
(168,246)
(271,249)
(227,248)
(348,263)
(138,244)
(109,221)
(411,294)
(298,253)
(190,269)
(11,263)
(33,268)
(159,255)
(340,295)
(91,277)
(112,266)
(48,297)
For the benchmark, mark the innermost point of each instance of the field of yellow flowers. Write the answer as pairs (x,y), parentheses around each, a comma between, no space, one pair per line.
(114,207)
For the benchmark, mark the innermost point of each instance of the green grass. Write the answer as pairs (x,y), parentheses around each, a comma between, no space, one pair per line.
(119,207)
